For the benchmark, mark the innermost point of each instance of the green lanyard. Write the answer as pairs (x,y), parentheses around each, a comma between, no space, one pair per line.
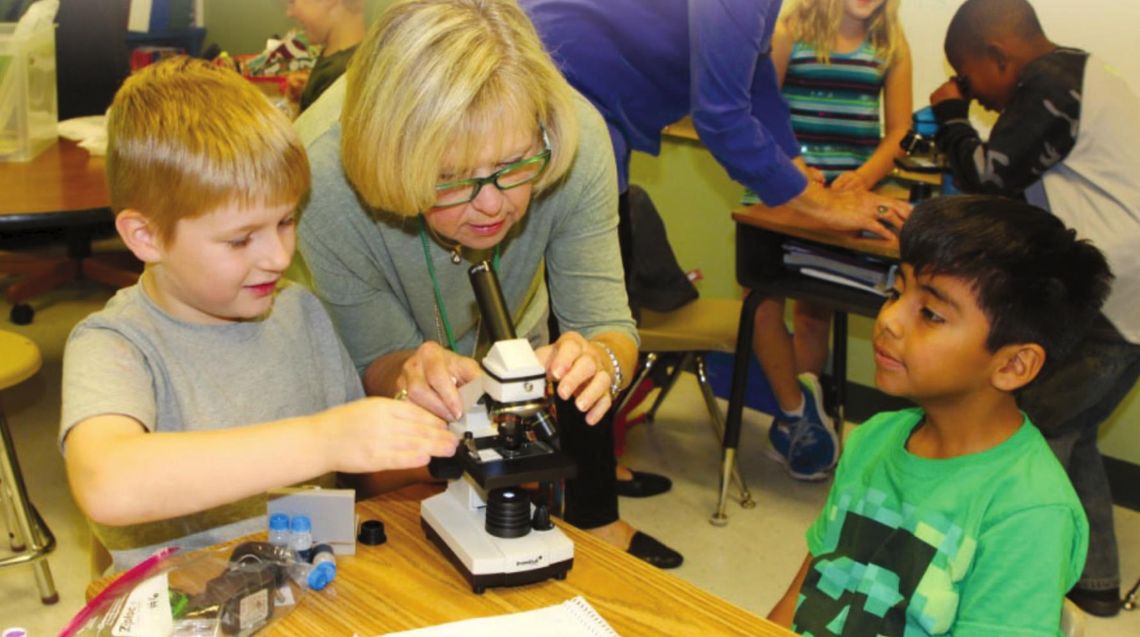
(439,306)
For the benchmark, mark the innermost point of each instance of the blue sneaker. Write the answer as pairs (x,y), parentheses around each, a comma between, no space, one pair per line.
(813,448)
(780,432)
(780,436)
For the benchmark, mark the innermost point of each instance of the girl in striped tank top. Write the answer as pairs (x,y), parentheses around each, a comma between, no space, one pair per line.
(833,59)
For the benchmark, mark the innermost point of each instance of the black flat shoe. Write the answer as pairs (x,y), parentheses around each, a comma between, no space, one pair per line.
(643,485)
(645,547)
(1103,603)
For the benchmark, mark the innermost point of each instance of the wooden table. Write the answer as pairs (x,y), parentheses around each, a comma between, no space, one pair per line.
(407,583)
(760,234)
(63,183)
(63,189)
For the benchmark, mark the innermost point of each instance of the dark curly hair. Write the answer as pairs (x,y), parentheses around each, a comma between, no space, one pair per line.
(1033,278)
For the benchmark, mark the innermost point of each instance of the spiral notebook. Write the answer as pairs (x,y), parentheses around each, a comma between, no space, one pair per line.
(572,618)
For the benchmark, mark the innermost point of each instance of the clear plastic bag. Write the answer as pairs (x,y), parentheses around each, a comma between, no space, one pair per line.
(227,591)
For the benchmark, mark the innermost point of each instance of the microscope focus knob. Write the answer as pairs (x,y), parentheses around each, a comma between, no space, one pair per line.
(541,520)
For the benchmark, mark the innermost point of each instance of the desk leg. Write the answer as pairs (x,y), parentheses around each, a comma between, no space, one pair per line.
(736,402)
(839,369)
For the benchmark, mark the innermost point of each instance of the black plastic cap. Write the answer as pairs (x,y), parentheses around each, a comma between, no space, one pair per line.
(372,533)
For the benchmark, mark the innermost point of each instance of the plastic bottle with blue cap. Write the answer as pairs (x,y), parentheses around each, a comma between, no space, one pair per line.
(279,529)
(301,537)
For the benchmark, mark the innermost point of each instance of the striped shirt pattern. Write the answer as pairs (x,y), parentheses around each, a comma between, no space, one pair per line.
(835,106)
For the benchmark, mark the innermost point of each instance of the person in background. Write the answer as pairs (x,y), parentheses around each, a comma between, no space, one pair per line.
(210,381)
(335,25)
(833,58)
(1068,140)
(954,517)
(453,139)
(645,65)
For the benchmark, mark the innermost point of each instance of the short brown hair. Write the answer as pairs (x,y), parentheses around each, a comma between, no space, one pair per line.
(437,75)
(186,137)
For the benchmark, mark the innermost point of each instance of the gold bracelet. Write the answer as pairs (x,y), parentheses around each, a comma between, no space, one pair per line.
(615,386)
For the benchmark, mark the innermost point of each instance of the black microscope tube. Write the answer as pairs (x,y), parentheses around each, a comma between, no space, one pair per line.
(492,306)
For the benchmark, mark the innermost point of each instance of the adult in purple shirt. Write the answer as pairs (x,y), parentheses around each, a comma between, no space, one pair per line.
(646,63)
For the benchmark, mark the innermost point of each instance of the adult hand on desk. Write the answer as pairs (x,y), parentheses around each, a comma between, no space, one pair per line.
(851,211)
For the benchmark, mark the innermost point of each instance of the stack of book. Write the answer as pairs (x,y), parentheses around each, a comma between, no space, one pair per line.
(861,272)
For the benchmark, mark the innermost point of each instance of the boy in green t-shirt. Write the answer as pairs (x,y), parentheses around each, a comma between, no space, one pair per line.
(955,517)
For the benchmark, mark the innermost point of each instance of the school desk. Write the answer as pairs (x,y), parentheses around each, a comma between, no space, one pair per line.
(407,583)
(760,235)
(62,189)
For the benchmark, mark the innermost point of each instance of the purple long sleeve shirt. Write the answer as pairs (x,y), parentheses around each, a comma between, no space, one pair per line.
(646,63)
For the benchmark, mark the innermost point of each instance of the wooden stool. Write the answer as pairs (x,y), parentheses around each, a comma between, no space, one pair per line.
(700,326)
(28,533)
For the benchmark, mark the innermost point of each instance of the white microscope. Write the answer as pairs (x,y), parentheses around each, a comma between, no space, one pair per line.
(484,523)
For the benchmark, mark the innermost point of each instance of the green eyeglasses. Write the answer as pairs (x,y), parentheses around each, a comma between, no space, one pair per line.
(510,176)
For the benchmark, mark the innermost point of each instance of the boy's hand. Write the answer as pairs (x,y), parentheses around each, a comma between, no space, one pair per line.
(948,91)
(432,376)
(582,370)
(850,180)
(378,434)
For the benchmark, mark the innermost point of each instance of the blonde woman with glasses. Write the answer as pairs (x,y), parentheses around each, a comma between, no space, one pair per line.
(454,139)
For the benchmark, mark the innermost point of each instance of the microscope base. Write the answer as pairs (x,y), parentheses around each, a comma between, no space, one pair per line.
(487,561)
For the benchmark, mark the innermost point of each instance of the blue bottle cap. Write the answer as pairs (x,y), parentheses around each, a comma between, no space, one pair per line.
(278,522)
(321,575)
(300,523)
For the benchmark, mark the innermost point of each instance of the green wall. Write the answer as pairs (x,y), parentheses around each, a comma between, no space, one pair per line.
(243,26)
(695,197)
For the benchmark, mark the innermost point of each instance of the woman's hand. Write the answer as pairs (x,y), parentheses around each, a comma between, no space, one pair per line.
(431,377)
(582,370)
(378,434)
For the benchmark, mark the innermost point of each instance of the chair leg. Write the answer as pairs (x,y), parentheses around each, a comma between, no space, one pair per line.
(642,374)
(686,358)
(29,526)
(1130,597)
(716,421)
(15,542)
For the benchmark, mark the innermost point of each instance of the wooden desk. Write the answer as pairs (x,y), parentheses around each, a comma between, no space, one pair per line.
(407,583)
(63,183)
(65,189)
(760,234)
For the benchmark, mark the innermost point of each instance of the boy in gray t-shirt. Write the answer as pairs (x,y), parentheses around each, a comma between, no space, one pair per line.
(209,382)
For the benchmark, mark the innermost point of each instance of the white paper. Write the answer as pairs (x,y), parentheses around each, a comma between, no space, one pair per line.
(147,610)
(572,618)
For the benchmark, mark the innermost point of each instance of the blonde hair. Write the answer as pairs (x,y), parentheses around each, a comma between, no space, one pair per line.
(816,22)
(438,78)
(186,138)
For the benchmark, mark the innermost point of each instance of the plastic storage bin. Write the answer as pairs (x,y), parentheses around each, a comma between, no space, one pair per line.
(28,109)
